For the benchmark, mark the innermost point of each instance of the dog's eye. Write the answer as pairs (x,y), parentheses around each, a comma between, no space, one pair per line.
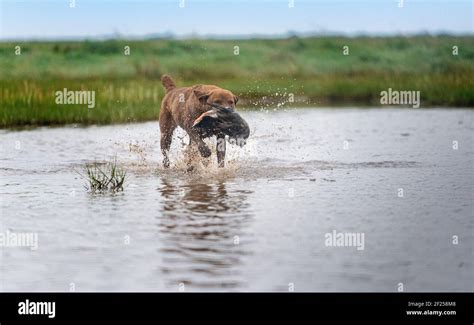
(231,102)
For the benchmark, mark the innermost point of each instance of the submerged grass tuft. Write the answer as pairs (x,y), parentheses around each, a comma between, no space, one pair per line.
(107,177)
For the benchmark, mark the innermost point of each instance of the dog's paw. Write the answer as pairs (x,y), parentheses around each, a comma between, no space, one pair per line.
(205,151)
(166,163)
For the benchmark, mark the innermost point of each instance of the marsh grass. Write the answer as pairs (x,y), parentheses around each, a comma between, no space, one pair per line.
(108,177)
(314,69)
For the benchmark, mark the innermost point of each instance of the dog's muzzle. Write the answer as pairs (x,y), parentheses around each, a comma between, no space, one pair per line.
(223,121)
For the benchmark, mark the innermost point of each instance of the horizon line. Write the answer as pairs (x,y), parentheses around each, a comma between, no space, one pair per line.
(209,36)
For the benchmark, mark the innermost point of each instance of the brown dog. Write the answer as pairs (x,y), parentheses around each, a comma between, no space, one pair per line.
(186,106)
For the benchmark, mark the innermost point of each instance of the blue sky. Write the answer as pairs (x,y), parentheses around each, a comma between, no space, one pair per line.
(53,19)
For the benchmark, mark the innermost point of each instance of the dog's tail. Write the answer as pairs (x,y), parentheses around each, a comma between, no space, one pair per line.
(167,82)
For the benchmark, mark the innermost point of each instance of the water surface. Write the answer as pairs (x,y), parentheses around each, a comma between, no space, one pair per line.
(260,223)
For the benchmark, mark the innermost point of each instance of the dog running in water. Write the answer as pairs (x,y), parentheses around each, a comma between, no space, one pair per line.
(202,111)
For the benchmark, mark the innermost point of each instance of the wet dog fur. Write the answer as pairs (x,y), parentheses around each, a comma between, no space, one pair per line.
(181,106)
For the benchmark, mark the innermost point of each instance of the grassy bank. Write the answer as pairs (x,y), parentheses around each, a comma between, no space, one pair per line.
(264,72)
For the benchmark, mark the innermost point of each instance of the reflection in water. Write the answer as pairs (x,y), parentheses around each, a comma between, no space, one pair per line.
(198,227)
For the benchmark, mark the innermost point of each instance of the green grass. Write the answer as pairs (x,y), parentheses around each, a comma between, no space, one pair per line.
(108,177)
(264,73)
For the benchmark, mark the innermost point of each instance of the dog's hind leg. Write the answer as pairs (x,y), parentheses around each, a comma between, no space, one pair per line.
(165,147)
(167,126)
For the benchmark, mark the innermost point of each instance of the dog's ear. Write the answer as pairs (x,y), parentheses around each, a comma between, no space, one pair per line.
(201,95)
(236,99)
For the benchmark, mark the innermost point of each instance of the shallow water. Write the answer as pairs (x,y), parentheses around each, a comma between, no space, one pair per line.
(260,223)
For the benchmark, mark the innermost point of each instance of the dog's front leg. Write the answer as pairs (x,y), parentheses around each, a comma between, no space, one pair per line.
(220,148)
(203,148)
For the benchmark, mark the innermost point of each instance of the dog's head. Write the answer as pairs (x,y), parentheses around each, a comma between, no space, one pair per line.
(219,96)
(221,119)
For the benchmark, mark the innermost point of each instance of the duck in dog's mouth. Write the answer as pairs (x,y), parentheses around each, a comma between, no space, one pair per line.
(222,121)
